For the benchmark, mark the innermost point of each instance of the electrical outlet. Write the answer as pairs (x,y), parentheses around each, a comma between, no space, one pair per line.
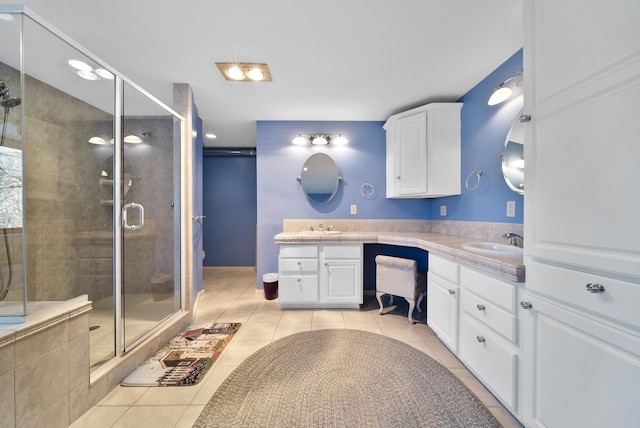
(443,210)
(354,209)
(511,208)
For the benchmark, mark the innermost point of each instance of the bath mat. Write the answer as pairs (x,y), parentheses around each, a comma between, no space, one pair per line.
(186,358)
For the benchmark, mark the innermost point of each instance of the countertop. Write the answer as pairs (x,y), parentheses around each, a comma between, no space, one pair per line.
(450,246)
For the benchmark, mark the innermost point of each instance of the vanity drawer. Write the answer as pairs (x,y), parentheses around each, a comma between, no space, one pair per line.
(298,251)
(494,290)
(342,251)
(298,265)
(493,362)
(618,301)
(445,268)
(298,288)
(486,312)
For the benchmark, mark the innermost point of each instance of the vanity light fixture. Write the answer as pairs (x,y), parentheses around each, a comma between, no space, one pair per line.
(505,89)
(244,71)
(320,139)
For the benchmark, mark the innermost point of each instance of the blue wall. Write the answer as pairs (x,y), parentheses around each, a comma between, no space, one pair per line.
(280,196)
(484,129)
(229,185)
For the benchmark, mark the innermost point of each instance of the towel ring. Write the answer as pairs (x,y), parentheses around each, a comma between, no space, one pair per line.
(368,191)
(476,174)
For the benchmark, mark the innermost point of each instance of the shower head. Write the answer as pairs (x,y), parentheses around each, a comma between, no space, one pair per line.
(10,102)
(7,100)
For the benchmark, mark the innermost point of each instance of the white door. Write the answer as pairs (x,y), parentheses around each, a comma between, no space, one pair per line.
(582,85)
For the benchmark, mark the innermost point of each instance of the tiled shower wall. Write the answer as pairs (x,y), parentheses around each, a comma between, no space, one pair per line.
(63,208)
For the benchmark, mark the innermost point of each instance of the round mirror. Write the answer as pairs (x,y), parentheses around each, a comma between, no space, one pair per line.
(319,178)
(513,156)
(106,178)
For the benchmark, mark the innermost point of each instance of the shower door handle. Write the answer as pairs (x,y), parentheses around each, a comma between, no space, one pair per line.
(125,209)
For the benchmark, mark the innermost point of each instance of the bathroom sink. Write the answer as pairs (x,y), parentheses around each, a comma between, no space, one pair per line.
(321,232)
(493,248)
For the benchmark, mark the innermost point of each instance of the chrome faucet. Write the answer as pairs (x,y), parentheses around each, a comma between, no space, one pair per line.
(320,227)
(513,237)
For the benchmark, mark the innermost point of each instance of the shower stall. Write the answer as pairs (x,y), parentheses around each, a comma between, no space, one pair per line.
(90,186)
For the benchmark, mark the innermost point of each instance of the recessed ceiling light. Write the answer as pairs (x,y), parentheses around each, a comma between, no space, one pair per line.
(105,74)
(255,74)
(89,75)
(235,73)
(244,71)
(79,65)
(211,136)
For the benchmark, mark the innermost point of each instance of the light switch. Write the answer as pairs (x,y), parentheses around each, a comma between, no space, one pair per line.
(443,210)
(511,208)
(354,209)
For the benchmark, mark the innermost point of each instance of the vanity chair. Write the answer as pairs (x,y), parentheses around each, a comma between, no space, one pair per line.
(400,277)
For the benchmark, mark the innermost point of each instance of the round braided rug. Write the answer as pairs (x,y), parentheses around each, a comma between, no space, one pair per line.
(342,378)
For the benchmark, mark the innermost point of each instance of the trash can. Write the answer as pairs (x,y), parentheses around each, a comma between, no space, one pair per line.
(270,285)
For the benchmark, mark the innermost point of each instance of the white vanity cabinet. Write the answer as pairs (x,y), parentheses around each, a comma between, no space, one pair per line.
(488,336)
(582,349)
(341,278)
(423,152)
(320,275)
(442,300)
(298,275)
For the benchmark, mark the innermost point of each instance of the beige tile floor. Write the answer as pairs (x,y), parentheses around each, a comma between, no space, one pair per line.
(230,296)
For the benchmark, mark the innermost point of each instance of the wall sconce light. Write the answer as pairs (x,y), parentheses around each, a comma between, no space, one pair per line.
(129,139)
(244,71)
(320,139)
(505,89)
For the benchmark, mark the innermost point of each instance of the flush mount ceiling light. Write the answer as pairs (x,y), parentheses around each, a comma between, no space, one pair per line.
(88,72)
(244,71)
(505,89)
(320,139)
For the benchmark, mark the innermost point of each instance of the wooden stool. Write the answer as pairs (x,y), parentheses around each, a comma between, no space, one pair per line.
(399,277)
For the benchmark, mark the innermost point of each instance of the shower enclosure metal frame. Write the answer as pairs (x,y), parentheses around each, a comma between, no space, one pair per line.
(120,347)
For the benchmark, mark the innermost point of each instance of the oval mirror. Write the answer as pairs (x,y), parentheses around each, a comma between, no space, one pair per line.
(513,156)
(319,178)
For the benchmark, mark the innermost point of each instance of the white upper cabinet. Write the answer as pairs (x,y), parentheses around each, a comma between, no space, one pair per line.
(423,152)
(582,75)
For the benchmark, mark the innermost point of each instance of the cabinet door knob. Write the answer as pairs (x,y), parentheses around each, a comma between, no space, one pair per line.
(480,339)
(452,291)
(480,307)
(595,288)
(526,305)
(326,264)
(397,177)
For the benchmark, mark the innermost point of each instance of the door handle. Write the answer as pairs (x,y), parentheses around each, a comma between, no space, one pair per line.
(125,210)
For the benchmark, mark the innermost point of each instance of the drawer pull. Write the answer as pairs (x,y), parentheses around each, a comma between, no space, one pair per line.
(595,288)
(480,307)
(526,305)
(452,291)
(480,339)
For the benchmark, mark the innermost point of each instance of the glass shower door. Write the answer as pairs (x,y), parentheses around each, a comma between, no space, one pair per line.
(150,196)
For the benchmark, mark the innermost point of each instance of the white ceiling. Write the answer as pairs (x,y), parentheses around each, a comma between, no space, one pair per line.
(330,59)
